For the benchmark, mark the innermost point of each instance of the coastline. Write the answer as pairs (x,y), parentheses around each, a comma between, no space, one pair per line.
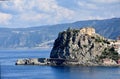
(58,62)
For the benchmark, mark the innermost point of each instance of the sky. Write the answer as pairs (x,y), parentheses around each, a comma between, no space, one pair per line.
(30,13)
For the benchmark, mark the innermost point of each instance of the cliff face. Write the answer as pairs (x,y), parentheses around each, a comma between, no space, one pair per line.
(83,45)
(78,47)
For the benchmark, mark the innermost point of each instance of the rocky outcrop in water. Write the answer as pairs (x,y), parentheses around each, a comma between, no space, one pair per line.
(83,45)
(78,47)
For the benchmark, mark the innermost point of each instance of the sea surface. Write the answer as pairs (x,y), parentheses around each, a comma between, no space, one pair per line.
(8,69)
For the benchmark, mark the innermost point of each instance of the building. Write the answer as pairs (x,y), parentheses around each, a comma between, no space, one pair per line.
(87,30)
(116,44)
(118,61)
(108,61)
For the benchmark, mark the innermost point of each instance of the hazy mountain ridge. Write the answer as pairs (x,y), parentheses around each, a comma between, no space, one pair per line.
(35,36)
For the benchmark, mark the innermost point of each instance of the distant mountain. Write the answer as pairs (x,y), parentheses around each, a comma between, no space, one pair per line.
(43,36)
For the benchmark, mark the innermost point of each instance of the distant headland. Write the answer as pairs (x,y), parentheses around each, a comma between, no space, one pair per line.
(79,47)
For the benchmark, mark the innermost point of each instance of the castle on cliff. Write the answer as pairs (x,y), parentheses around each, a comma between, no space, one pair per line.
(87,30)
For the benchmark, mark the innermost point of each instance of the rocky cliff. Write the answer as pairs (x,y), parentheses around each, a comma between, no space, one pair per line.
(81,47)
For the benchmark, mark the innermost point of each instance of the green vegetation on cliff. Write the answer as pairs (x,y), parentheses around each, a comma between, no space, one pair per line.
(110,53)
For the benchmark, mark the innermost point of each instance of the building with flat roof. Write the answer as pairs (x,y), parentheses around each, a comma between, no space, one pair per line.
(87,30)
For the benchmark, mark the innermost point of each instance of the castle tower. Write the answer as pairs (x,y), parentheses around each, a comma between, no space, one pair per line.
(88,30)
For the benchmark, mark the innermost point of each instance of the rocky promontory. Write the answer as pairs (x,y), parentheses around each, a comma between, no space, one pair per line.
(78,47)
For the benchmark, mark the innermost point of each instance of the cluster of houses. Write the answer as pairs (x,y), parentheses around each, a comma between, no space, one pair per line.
(116,45)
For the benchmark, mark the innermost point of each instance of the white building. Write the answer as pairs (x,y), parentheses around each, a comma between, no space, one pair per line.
(119,50)
(116,44)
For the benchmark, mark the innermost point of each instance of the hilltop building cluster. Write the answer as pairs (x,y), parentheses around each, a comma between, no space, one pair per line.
(88,30)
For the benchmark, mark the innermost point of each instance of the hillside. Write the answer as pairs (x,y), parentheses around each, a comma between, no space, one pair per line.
(38,36)
(78,47)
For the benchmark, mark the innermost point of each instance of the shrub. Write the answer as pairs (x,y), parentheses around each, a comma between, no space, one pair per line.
(85,46)
(105,41)
(110,53)
(98,39)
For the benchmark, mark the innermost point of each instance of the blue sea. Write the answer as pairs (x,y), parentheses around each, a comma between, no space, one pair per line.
(8,69)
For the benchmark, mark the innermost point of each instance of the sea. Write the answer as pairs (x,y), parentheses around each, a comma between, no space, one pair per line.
(8,69)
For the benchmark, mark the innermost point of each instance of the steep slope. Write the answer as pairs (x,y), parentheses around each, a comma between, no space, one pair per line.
(84,47)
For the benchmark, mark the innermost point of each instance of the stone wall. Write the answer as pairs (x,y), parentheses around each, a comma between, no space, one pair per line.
(88,30)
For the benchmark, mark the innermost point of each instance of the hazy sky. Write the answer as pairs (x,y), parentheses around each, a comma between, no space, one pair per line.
(27,13)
